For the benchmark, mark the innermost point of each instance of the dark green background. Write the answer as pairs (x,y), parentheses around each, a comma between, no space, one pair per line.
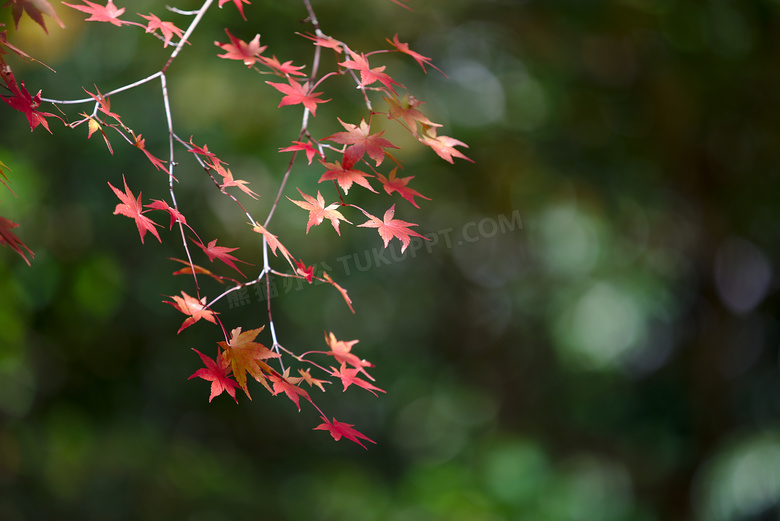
(610,353)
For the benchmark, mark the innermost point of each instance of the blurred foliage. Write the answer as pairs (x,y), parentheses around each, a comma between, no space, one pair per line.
(592,335)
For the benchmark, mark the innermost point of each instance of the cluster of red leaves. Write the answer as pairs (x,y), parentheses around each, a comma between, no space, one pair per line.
(359,153)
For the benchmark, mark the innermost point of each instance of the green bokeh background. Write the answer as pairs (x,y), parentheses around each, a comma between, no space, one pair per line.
(593,336)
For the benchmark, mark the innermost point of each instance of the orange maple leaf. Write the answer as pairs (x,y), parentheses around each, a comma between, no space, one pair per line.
(419,58)
(444,146)
(389,228)
(222,253)
(196,309)
(246,356)
(319,212)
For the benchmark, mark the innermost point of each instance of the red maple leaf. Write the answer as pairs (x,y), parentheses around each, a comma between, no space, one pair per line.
(359,62)
(35,9)
(9,238)
(339,430)
(398,184)
(419,58)
(297,93)
(218,374)
(227,180)
(22,101)
(131,207)
(168,29)
(204,151)
(196,309)
(213,251)
(140,143)
(176,215)
(341,351)
(345,177)
(108,13)
(246,356)
(349,376)
(318,211)
(360,142)
(444,146)
(341,290)
(325,41)
(286,384)
(249,53)
(389,228)
(305,147)
(307,272)
(104,104)
(286,68)
(239,5)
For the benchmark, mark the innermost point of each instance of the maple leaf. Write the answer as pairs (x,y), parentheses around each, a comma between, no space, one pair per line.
(249,53)
(104,104)
(349,376)
(309,379)
(108,13)
(196,309)
(341,351)
(286,68)
(168,29)
(9,238)
(35,9)
(227,180)
(93,126)
(339,430)
(398,184)
(341,290)
(319,212)
(285,384)
(246,356)
(22,101)
(140,143)
(444,146)
(176,215)
(345,177)
(419,58)
(239,5)
(359,62)
(325,41)
(389,228)
(216,373)
(273,243)
(213,251)
(307,272)
(360,141)
(297,93)
(304,147)
(204,151)
(406,109)
(131,207)
(199,270)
